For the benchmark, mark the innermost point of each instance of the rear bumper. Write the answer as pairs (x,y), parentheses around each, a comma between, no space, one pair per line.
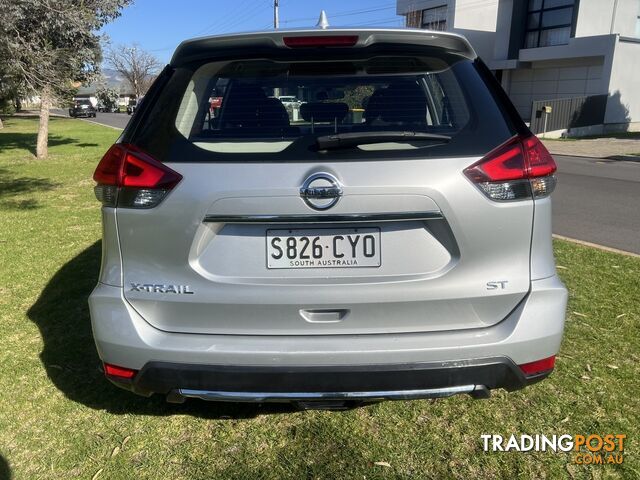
(375,366)
(371,382)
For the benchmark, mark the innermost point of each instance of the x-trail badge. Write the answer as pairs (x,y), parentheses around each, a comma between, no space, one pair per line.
(321,191)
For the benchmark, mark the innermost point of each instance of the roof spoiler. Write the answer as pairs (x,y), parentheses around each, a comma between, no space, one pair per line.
(206,47)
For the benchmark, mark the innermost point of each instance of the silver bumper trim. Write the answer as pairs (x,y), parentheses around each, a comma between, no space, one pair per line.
(258,397)
(325,218)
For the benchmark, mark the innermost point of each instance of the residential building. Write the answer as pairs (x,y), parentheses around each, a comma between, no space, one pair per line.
(111,79)
(545,50)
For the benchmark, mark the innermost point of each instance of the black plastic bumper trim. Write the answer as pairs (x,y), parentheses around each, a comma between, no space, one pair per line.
(495,372)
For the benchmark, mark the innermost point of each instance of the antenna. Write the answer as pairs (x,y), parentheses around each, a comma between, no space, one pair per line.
(323,23)
(276,16)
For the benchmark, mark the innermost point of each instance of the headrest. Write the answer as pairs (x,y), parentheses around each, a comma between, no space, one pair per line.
(271,113)
(324,111)
(398,103)
(247,106)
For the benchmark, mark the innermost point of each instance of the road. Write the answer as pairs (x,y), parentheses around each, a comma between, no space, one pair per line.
(117,120)
(596,200)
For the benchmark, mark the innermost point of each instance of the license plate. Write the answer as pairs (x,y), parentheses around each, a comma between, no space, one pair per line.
(323,248)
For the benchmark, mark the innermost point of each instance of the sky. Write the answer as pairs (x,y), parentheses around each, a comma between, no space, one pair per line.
(158,26)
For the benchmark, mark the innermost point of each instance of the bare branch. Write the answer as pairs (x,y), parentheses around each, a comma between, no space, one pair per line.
(137,66)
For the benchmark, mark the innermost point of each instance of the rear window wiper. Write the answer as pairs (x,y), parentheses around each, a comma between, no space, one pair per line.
(347,140)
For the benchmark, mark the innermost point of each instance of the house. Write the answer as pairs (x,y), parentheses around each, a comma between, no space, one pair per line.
(579,55)
(111,79)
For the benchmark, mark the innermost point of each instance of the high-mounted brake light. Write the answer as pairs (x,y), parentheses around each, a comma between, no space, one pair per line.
(539,366)
(518,169)
(321,41)
(120,373)
(130,178)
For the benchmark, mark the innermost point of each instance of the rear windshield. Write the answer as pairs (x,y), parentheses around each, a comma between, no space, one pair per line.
(262,109)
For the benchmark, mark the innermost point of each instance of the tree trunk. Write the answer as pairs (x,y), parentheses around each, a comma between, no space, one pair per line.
(1,126)
(42,144)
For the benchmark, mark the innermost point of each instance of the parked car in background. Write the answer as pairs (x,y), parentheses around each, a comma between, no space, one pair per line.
(402,254)
(82,108)
(133,105)
(292,106)
(215,103)
(289,100)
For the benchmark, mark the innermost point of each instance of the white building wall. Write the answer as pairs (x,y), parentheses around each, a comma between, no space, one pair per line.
(597,17)
(624,92)
(479,15)
(594,17)
(477,21)
(626,16)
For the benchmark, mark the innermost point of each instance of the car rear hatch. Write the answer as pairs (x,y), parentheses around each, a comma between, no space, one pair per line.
(351,214)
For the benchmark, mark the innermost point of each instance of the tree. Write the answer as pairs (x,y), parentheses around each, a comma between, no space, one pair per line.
(357,96)
(137,66)
(108,97)
(51,44)
(8,87)
(8,93)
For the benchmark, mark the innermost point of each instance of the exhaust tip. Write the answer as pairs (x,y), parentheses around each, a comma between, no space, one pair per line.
(174,396)
(480,392)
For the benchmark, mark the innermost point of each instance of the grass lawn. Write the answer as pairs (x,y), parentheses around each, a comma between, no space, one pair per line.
(60,419)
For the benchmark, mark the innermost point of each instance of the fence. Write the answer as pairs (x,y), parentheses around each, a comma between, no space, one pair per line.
(568,113)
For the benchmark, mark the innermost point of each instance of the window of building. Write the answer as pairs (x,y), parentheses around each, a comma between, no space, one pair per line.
(435,18)
(549,23)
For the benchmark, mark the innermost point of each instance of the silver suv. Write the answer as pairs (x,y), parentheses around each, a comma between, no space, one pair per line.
(392,240)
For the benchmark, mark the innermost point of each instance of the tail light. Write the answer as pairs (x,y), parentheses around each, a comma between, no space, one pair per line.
(119,373)
(539,366)
(130,178)
(321,41)
(520,168)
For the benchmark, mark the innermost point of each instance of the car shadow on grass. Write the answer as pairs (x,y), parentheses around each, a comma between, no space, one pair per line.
(70,359)
(5,470)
